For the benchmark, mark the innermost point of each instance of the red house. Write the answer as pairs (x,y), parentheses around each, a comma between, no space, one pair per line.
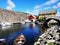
(31,18)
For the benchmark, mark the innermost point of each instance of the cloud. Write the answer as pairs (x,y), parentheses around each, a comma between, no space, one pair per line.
(56,6)
(10,5)
(47,4)
(47,8)
(36,11)
(33,12)
(27,11)
(37,7)
(58,13)
(50,2)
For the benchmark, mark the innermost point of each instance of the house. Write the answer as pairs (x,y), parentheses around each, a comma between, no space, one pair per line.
(46,13)
(32,18)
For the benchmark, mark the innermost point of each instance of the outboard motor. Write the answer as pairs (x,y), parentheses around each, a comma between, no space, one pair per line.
(2,42)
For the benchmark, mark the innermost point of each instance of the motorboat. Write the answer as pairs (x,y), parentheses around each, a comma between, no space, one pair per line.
(20,40)
(2,42)
(22,22)
(5,24)
(27,21)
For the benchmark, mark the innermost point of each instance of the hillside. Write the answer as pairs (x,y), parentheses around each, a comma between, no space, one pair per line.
(12,16)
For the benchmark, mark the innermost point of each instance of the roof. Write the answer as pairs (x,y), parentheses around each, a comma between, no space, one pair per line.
(55,17)
(48,12)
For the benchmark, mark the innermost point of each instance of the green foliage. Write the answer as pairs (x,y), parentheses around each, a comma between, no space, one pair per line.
(41,19)
(51,43)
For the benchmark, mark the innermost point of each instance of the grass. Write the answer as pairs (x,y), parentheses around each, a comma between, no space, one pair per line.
(51,43)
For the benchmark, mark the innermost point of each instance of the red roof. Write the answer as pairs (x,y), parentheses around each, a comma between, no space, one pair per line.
(31,17)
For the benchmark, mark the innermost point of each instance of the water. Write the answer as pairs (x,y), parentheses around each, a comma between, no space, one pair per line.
(30,31)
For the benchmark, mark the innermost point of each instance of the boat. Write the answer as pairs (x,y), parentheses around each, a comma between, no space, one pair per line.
(22,22)
(2,42)
(5,24)
(20,40)
(27,21)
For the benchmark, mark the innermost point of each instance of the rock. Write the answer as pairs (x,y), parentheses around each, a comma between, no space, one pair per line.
(12,16)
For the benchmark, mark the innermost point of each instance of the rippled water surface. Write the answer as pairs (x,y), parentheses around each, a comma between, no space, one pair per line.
(30,31)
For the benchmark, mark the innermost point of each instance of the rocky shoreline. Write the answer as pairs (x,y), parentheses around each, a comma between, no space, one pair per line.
(52,35)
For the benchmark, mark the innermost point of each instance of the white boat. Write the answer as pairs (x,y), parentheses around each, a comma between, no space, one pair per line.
(2,42)
(22,22)
(27,21)
(5,24)
(2,39)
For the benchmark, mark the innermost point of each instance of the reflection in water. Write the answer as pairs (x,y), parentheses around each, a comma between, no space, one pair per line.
(32,25)
(5,27)
(42,28)
(5,32)
(30,31)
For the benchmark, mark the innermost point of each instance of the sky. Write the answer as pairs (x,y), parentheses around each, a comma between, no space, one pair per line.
(30,6)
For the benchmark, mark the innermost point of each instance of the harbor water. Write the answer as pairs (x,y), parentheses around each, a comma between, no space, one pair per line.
(30,31)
